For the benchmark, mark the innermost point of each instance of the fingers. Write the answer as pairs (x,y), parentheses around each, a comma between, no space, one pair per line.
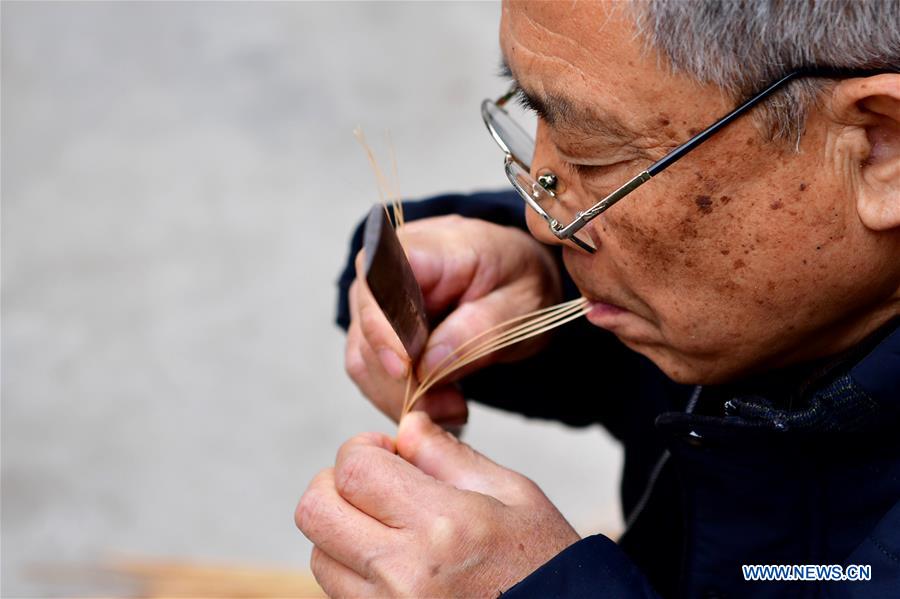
(446,406)
(372,375)
(470,320)
(441,455)
(461,325)
(375,327)
(364,366)
(380,483)
(493,273)
(336,579)
(444,273)
(337,527)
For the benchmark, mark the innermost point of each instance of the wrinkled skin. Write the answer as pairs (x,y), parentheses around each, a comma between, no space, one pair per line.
(425,516)
(743,257)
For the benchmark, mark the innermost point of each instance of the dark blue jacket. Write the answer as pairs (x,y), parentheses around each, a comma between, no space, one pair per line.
(796,467)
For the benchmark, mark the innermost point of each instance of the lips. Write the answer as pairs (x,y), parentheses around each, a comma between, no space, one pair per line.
(605,307)
(605,310)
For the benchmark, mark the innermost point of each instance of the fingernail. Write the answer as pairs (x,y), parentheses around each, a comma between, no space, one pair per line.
(434,357)
(393,363)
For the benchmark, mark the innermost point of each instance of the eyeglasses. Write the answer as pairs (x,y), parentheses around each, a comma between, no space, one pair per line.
(519,147)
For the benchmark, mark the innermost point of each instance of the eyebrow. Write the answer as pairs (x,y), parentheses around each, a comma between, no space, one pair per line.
(561,111)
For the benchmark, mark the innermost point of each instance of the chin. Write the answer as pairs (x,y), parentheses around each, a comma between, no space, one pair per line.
(683,369)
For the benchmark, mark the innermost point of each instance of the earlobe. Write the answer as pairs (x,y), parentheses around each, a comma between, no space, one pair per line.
(873,104)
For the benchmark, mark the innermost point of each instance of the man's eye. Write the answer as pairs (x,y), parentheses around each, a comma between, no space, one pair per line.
(590,170)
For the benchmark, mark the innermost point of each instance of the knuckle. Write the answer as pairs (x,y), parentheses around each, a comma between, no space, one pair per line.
(308,510)
(315,561)
(476,318)
(313,502)
(526,488)
(350,476)
(394,575)
(355,365)
(377,567)
(479,533)
(318,566)
(372,323)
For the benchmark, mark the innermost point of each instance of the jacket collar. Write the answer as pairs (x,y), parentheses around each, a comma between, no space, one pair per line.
(854,392)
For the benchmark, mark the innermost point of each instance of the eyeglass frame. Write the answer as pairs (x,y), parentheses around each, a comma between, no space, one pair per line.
(582,218)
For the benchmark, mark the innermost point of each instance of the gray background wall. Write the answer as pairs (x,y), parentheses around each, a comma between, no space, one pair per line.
(178,184)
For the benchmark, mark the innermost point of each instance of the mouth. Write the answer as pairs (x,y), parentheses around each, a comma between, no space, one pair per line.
(606,309)
(604,314)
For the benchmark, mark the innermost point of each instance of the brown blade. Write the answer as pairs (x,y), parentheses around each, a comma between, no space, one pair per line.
(391,280)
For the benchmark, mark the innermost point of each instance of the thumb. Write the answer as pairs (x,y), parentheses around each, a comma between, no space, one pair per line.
(439,454)
(445,405)
(469,320)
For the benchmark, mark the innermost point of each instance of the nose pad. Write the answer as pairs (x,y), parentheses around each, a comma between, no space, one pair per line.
(549,181)
(545,166)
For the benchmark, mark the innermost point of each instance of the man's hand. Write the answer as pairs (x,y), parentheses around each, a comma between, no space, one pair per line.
(439,519)
(482,274)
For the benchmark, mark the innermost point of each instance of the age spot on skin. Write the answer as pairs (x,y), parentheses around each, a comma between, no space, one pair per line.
(687,231)
(435,569)
(803,187)
(725,199)
(738,264)
(704,204)
(777,204)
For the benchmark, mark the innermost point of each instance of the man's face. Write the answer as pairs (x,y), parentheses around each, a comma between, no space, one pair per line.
(744,255)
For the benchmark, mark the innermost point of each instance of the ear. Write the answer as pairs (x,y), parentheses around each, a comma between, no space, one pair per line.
(872,104)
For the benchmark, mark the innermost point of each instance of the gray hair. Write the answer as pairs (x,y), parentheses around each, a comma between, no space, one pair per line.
(741,45)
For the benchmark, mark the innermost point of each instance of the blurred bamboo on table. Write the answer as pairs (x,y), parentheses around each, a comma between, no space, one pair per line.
(181,579)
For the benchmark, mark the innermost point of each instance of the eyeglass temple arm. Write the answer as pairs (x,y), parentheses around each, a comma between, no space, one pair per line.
(679,152)
(670,159)
(682,150)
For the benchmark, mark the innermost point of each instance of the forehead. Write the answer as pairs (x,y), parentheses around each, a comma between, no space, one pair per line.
(588,37)
(591,53)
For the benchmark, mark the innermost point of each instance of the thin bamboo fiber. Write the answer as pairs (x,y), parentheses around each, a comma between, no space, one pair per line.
(385,189)
(505,334)
(533,324)
(178,579)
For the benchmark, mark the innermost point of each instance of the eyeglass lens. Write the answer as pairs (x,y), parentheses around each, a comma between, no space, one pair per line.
(549,207)
(520,144)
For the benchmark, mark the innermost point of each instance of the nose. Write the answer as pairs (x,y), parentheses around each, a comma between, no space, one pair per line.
(544,162)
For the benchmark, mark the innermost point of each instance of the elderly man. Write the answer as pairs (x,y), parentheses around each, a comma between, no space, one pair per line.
(742,339)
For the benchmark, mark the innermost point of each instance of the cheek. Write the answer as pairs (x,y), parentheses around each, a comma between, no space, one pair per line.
(742,259)
(667,237)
